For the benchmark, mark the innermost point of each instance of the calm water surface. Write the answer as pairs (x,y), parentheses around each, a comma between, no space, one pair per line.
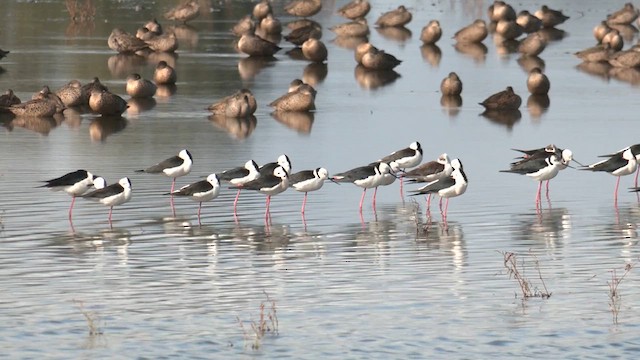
(387,284)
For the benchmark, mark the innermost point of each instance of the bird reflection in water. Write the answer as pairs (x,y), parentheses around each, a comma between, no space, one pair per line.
(72,117)
(153,58)
(451,105)
(394,33)
(508,118)
(476,51)
(187,35)
(349,42)
(314,73)
(373,79)
(238,128)
(165,91)
(629,75)
(431,53)
(528,63)
(123,65)
(628,32)
(545,226)
(249,67)
(139,105)
(552,34)
(300,121)
(597,69)
(41,125)
(105,126)
(537,105)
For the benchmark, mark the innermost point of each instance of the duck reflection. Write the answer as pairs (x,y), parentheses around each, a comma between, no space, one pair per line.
(153,58)
(187,36)
(451,104)
(550,34)
(373,79)
(166,91)
(545,226)
(296,54)
(122,65)
(139,105)
(476,51)
(41,125)
(538,105)
(508,118)
(628,75)
(349,42)
(251,66)
(105,126)
(394,33)
(506,47)
(528,63)
(314,73)
(72,117)
(597,69)
(238,128)
(300,121)
(431,53)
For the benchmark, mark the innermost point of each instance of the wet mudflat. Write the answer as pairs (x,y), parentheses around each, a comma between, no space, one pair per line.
(386,283)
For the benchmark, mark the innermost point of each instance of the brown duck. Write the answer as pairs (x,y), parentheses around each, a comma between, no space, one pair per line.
(356,9)
(185,12)
(394,18)
(106,103)
(503,100)
(302,99)
(254,45)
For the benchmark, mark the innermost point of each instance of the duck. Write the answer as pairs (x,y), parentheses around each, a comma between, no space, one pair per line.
(598,53)
(244,26)
(4,53)
(537,82)
(164,74)
(71,94)
(625,59)
(261,10)
(550,17)
(106,103)
(89,87)
(356,28)
(503,100)
(184,13)
(624,16)
(500,10)
(303,8)
(46,93)
(314,50)
(362,49)
(395,18)
(431,33)
(137,87)
(474,33)
(299,35)
(451,85)
(302,99)
(375,59)
(528,22)
(167,42)
(600,30)
(254,45)
(509,29)
(9,98)
(532,45)
(39,107)
(294,85)
(154,26)
(125,43)
(220,107)
(270,25)
(613,39)
(356,9)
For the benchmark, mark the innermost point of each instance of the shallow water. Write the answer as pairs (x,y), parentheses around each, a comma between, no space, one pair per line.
(387,284)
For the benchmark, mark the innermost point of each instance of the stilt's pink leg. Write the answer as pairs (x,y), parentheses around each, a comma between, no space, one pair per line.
(362,198)
(266,212)
(199,209)
(615,193)
(547,188)
(539,193)
(173,184)
(429,202)
(635,181)
(110,211)
(73,200)
(304,202)
(402,187)
(374,197)
(235,202)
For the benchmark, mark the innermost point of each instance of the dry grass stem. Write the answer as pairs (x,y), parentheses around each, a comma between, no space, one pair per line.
(517,272)
(267,324)
(93,319)
(614,294)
